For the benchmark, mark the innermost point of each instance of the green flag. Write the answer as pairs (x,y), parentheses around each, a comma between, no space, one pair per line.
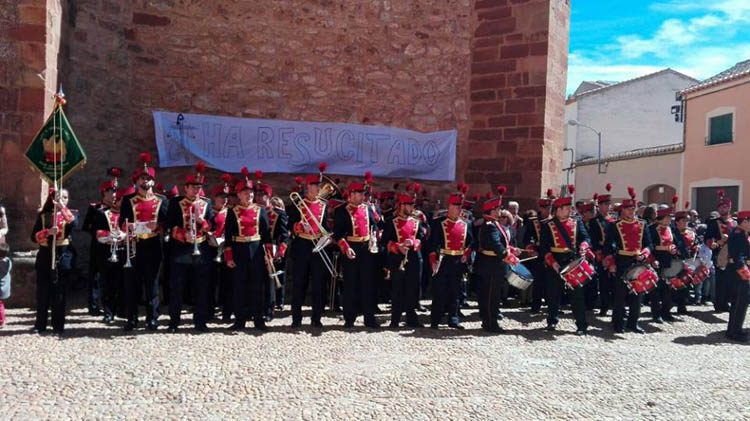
(55,151)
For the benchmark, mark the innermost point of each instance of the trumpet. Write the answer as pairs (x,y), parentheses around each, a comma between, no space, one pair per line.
(217,242)
(113,248)
(194,231)
(325,236)
(129,249)
(272,272)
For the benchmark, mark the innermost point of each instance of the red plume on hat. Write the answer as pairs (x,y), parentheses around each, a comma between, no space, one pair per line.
(687,205)
(368,177)
(145,158)
(226,178)
(675,199)
(571,189)
(200,167)
(596,197)
(608,187)
(258,175)
(631,192)
(464,188)
(501,190)
(417,188)
(114,172)
(298,179)
(476,196)
(322,167)
(487,196)
(720,192)
(245,173)
(408,187)
(550,193)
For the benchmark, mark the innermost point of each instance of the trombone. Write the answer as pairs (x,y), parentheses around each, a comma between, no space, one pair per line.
(272,272)
(325,236)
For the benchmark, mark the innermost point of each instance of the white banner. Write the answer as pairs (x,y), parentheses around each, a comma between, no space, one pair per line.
(229,143)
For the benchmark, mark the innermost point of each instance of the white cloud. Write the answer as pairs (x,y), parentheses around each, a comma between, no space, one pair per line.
(699,46)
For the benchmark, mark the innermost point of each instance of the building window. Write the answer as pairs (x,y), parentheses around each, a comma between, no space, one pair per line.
(720,129)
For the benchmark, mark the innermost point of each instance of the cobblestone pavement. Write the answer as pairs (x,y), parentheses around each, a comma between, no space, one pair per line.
(685,370)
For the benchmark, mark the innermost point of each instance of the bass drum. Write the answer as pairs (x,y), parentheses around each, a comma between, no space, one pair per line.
(519,276)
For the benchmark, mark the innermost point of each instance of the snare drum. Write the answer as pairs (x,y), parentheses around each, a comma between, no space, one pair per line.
(640,278)
(700,274)
(578,273)
(519,276)
(675,268)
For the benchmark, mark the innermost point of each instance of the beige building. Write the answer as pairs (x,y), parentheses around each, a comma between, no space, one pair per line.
(717,139)
(653,172)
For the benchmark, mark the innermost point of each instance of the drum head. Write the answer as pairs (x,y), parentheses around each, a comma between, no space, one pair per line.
(572,265)
(521,271)
(675,267)
(634,271)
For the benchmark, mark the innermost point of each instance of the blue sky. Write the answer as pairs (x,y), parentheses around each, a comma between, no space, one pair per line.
(622,39)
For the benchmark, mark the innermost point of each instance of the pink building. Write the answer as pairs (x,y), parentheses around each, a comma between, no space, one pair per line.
(717,139)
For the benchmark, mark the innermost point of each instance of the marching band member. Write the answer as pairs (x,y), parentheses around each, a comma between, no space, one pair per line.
(692,245)
(532,235)
(717,235)
(53,227)
(146,213)
(95,289)
(189,219)
(306,222)
(494,256)
(221,279)
(403,236)
(597,229)
(667,243)
(247,242)
(279,229)
(451,242)
(587,213)
(739,274)
(352,227)
(627,242)
(564,238)
(110,253)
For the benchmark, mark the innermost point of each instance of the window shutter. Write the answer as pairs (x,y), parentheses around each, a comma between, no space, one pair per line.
(720,130)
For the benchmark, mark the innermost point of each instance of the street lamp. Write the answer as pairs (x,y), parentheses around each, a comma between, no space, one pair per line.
(599,135)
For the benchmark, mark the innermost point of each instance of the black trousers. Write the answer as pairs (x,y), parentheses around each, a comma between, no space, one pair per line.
(539,286)
(446,287)
(490,275)
(197,276)
(590,292)
(660,299)
(722,299)
(606,287)
(249,281)
(112,286)
(95,287)
(405,287)
(359,285)
(308,270)
(622,296)
(144,277)
(739,305)
(555,289)
(280,291)
(51,288)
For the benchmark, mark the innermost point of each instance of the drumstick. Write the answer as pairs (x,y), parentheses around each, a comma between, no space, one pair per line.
(528,258)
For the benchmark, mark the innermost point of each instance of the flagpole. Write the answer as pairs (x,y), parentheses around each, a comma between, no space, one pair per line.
(53,242)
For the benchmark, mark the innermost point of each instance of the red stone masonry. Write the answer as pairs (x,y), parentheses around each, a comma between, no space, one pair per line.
(517,95)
